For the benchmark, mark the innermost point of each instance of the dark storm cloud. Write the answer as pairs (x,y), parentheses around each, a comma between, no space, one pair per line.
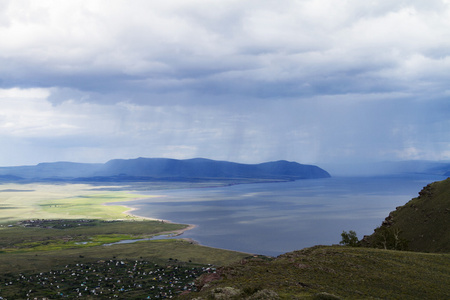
(248,81)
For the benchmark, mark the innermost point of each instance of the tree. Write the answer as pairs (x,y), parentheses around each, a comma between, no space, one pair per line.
(349,239)
(389,238)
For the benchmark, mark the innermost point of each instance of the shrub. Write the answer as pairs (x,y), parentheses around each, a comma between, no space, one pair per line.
(349,239)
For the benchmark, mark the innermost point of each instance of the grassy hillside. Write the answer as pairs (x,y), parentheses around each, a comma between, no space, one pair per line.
(422,224)
(334,272)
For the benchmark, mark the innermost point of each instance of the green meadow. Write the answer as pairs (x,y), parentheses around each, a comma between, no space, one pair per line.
(61,201)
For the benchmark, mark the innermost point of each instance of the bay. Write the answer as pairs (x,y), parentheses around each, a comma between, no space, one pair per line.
(274,218)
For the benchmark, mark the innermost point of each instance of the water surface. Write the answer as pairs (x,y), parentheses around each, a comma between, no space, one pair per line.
(274,218)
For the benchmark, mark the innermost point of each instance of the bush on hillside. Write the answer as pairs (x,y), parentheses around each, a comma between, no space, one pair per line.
(349,239)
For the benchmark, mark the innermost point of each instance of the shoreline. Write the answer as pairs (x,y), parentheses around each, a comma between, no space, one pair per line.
(176,232)
(179,231)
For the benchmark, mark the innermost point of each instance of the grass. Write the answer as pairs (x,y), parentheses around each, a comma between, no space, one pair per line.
(77,234)
(71,269)
(89,206)
(159,251)
(123,279)
(347,273)
(61,201)
(40,253)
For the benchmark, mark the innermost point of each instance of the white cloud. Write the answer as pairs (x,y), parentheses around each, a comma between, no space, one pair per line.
(259,40)
(250,81)
(26,94)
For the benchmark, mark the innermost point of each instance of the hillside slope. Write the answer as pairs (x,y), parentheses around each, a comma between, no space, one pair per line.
(422,224)
(333,272)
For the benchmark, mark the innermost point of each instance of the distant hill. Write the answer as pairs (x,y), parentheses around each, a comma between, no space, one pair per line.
(141,169)
(422,224)
(389,168)
(420,167)
(51,170)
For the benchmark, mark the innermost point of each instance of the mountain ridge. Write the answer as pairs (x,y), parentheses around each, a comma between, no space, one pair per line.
(162,168)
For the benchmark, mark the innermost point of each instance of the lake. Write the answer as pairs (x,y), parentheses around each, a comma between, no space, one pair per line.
(274,218)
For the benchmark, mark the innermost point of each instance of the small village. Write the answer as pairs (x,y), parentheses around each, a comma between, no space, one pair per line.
(119,279)
(58,223)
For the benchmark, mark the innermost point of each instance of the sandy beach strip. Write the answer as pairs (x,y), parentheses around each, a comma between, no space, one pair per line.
(175,232)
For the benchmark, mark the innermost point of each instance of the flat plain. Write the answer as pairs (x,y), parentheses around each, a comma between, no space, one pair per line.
(61,201)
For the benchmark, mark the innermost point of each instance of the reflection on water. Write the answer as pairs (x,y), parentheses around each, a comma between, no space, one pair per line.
(156,237)
(275,218)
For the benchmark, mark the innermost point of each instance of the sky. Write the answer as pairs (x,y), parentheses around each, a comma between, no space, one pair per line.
(312,81)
